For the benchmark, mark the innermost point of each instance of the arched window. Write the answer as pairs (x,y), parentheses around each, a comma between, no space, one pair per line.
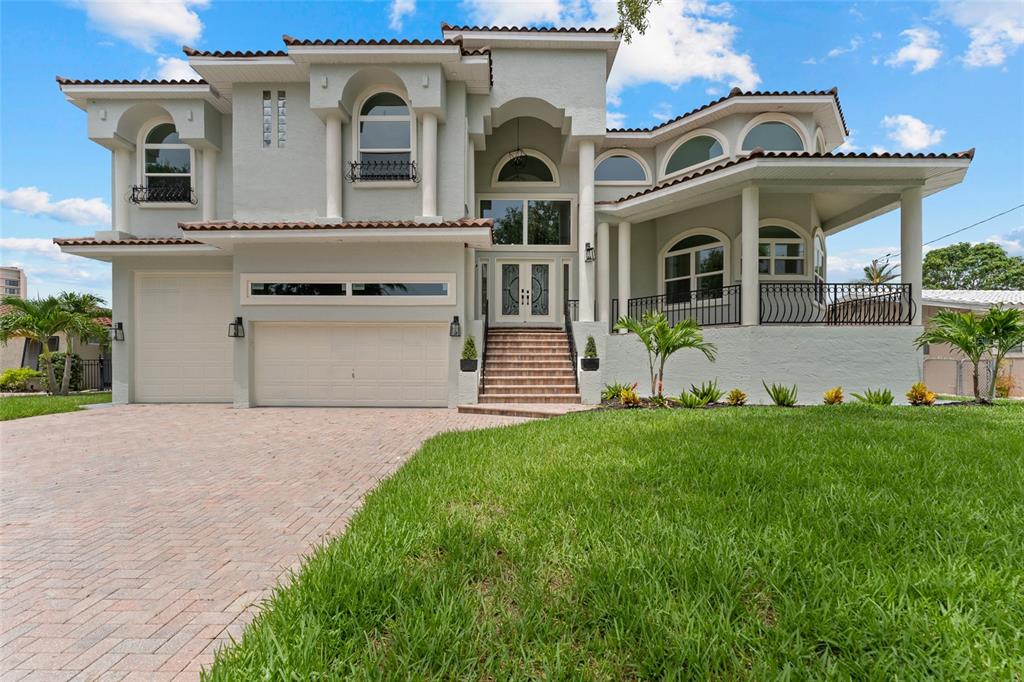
(773,136)
(525,167)
(780,251)
(694,152)
(819,258)
(385,138)
(620,168)
(167,166)
(694,269)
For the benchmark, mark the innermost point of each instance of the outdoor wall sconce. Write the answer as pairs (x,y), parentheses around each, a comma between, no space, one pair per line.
(117,331)
(236,330)
(455,329)
(591,253)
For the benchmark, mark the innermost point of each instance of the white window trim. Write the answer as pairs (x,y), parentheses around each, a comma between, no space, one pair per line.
(802,238)
(413,138)
(722,238)
(247,279)
(700,132)
(819,240)
(571,198)
(619,183)
(505,158)
(140,147)
(774,117)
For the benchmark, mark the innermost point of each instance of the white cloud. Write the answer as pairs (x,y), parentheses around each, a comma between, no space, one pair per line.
(911,133)
(49,271)
(399,10)
(850,145)
(173,68)
(514,12)
(615,119)
(922,49)
(29,245)
(855,44)
(1013,241)
(662,112)
(848,266)
(33,201)
(145,23)
(996,29)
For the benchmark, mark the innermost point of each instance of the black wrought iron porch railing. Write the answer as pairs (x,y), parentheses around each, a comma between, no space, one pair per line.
(483,342)
(377,171)
(836,304)
(706,307)
(179,194)
(567,316)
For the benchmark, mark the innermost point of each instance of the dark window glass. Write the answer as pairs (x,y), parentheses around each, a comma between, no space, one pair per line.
(773,136)
(693,242)
(400,289)
(549,222)
(385,104)
(384,135)
(677,291)
(164,133)
(507,217)
(677,266)
(777,232)
(620,169)
(789,267)
(180,184)
(710,260)
(693,153)
(525,169)
(168,161)
(297,288)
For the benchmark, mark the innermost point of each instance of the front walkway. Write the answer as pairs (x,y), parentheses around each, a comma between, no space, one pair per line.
(136,539)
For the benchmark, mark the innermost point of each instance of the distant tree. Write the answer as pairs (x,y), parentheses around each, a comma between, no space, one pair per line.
(83,310)
(973,266)
(633,17)
(879,272)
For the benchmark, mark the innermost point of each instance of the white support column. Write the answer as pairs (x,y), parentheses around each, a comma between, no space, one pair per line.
(471,179)
(602,273)
(470,285)
(122,187)
(625,242)
(911,250)
(209,198)
(751,296)
(332,174)
(586,232)
(428,166)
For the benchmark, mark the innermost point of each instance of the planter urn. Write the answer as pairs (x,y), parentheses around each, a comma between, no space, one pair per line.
(590,364)
(468,365)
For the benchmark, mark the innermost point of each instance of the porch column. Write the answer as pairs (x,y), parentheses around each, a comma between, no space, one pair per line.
(122,187)
(332,139)
(625,231)
(586,232)
(911,256)
(209,198)
(603,273)
(751,296)
(470,285)
(428,170)
(471,180)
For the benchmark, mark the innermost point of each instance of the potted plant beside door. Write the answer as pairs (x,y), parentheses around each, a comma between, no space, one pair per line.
(590,361)
(468,362)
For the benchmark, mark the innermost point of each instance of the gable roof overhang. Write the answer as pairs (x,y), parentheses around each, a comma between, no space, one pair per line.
(107,249)
(536,37)
(847,188)
(79,92)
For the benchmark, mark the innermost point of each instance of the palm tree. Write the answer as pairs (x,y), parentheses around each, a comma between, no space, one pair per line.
(965,332)
(879,272)
(662,341)
(37,320)
(1003,329)
(84,308)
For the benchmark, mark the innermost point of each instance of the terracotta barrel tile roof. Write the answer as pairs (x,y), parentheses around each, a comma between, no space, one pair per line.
(232,54)
(72,81)
(226,225)
(92,241)
(529,29)
(761,154)
(291,41)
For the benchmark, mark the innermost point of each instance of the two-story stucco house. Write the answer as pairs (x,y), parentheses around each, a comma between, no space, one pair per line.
(350,210)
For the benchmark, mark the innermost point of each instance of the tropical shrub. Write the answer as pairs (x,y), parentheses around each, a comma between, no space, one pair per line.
(590,350)
(469,348)
(628,397)
(833,396)
(18,378)
(663,340)
(612,391)
(709,391)
(692,400)
(59,360)
(783,396)
(736,398)
(882,396)
(920,395)
(660,401)
(1003,330)
(1004,385)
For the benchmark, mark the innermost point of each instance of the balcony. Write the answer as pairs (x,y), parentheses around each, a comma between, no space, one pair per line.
(382,171)
(170,194)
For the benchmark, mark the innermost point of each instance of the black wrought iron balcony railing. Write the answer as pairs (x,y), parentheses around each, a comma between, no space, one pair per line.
(175,194)
(836,304)
(706,307)
(377,171)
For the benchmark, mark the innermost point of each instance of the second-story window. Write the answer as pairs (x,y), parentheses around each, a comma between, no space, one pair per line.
(167,166)
(385,138)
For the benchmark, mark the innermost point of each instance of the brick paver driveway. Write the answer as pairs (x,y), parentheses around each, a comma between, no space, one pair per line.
(136,539)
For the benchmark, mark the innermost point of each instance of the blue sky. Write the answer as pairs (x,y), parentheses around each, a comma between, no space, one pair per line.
(912,77)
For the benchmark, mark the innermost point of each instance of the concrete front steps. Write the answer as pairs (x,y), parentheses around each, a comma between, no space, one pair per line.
(527,410)
(528,365)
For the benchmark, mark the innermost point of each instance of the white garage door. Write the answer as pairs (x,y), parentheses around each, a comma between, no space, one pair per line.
(351,364)
(182,349)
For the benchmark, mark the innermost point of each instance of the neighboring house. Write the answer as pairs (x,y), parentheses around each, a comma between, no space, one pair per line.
(14,281)
(344,203)
(945,368)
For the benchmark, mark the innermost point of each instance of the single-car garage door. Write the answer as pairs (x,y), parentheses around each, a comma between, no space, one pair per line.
(182,349)
(351,364)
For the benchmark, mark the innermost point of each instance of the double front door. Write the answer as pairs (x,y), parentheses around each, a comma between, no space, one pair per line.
(524,291)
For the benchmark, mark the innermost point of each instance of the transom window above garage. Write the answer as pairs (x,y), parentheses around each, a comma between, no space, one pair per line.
(340,289)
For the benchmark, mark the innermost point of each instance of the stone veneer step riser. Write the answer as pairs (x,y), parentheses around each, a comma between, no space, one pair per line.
(544,389)
(557,382)
(520,398)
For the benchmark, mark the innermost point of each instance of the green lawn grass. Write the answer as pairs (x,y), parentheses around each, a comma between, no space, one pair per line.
(751,543)
(20,406)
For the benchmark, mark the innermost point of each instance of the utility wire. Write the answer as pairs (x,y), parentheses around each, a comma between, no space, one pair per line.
(962,229)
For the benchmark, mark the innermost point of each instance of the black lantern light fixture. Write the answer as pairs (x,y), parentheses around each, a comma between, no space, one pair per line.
(590,252)
(117,331)
(455,329)
(236,330)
